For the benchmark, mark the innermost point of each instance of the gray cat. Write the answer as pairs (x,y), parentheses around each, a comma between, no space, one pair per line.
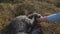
(24,25)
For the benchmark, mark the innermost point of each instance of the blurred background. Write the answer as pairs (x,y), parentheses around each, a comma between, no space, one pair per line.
(9,9)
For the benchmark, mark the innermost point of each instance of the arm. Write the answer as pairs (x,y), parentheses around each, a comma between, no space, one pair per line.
(50,18)
(54,17)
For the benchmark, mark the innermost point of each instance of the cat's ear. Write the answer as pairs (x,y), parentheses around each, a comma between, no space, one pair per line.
(30,16)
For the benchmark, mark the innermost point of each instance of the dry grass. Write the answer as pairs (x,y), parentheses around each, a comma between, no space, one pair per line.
(10,9)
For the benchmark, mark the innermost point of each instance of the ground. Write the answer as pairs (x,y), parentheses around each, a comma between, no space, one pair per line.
(9,9)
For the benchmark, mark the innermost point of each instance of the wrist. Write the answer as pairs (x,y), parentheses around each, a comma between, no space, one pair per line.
(42,19)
